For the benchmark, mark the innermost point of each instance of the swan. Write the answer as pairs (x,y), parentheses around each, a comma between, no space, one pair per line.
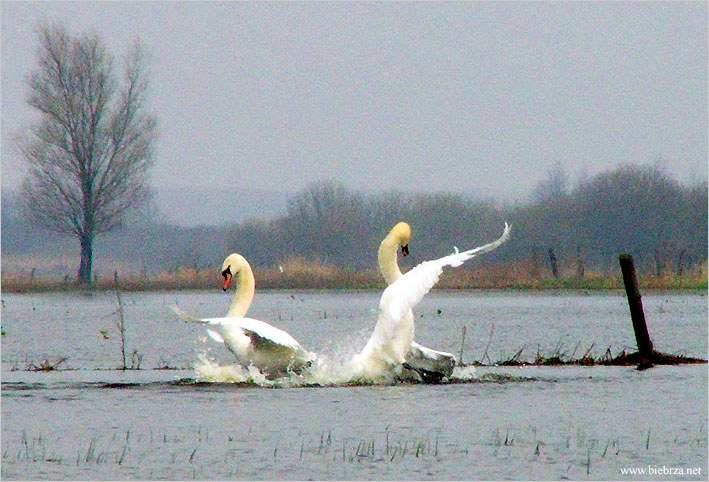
(252,342)
(391,341)
(431,365)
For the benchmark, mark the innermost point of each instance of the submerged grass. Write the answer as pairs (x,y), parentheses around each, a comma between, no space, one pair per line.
(45,365)
(186,453)
(561,357)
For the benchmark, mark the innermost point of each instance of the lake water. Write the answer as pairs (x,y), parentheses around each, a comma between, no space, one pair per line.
(91,421)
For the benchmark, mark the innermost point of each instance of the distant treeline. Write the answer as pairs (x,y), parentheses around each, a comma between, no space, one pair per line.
(638,209)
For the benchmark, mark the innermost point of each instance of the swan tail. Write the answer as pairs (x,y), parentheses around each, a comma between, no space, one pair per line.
(178,311)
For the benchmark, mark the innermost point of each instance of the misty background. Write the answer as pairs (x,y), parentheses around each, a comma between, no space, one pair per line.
(279,122)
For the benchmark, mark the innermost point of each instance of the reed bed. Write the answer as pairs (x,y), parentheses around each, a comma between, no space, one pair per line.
(298,273)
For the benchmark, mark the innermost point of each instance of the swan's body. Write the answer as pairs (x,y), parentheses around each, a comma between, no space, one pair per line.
(390,343)
(253,342)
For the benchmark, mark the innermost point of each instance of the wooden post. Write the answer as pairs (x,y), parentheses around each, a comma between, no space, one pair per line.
(637,314)
(552,260)
(121,323)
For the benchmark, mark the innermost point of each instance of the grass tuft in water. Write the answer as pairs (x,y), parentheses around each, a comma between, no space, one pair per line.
(560,356)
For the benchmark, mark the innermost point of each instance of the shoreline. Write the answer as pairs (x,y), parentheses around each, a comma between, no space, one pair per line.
(159,283)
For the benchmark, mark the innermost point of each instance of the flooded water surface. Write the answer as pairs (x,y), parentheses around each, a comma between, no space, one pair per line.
(165,421)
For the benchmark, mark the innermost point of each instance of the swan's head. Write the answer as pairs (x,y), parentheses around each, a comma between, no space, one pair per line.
(401,235)
(231,266)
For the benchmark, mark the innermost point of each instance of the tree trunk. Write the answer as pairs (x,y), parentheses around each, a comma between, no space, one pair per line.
(87,256)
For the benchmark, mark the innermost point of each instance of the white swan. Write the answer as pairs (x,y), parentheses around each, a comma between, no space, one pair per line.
(385,353)
(431,365)
(253,342)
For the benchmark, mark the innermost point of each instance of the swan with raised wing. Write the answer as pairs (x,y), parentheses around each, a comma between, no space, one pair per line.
(252,342)
(386,352)
(431,365)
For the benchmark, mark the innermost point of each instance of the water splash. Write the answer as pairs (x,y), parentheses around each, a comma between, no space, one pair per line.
(325,371)
(208,370)
(337,365)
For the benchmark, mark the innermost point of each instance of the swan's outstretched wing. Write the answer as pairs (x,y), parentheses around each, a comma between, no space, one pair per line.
(405,293)
(214,335)
(261,333)
(185,316)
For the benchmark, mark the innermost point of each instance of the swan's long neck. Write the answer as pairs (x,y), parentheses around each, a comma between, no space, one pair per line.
(388,263)
(244,292)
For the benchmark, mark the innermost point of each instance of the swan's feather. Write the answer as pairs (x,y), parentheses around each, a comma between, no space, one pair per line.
(185,316)
(214,335)
(260,332)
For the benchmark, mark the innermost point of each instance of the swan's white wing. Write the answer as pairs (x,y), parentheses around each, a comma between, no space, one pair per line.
(214,335)
(261,333)
(406,292)
(266,347)
(178,311)
(486,247)
(189,318)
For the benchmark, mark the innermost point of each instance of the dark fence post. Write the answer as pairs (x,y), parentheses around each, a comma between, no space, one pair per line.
(630,281)
(552,260)
(121,323)
(462,344)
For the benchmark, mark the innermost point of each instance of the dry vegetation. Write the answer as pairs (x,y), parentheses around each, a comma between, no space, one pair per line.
(562,357)
(298,274)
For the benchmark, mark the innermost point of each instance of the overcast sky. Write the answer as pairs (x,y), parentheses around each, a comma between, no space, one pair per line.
(479,98)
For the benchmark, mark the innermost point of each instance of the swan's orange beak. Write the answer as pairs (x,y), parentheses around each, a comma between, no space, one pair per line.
(405,250)
(227,281)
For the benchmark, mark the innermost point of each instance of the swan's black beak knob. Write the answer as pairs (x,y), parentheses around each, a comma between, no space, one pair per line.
(227,278)
(405,250)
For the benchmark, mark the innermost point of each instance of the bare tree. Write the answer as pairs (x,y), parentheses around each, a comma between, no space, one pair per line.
(554,187)
(91,148)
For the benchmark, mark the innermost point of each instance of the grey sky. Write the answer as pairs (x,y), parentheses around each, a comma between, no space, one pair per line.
(473,97)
